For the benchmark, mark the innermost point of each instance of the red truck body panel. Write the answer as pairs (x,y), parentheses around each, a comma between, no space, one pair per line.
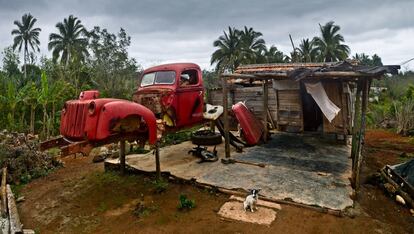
(251,127)
(178,98)
(183,105)
(93,119)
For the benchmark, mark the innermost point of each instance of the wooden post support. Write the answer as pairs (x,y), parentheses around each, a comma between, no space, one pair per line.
(343,108)
(157,161)
(15,224)
(359,155)
(356,126)
(226,117)
(122,156)
(4,193)
(265,107)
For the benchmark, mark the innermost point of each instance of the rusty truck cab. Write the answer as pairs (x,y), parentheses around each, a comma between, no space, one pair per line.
(174,92)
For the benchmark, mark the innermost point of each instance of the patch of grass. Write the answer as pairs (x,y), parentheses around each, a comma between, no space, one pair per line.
(160,185)
(141,210)
(102,207)
(178,137)
(16,189)
(185,203)
(54,151)
(137,150)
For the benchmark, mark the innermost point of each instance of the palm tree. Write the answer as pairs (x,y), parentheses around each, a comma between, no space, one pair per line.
(25,36)
(70,44)
(251,45)
(307,51)
(329,44)
(272,55)
(228,54)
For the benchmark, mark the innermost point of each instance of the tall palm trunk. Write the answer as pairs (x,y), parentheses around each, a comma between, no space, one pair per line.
(25,55)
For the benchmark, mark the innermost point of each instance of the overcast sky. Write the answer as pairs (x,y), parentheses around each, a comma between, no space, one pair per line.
(184,30)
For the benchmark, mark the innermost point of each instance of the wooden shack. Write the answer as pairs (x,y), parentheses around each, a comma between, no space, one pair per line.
(290,107)
(300,97)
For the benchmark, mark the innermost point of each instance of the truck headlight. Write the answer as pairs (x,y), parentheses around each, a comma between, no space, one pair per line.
(92,108)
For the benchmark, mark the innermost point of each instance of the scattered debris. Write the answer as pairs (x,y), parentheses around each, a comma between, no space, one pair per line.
(400,200)
(98,158)
(323,173)
(19,152)
(20,199)
(142,210)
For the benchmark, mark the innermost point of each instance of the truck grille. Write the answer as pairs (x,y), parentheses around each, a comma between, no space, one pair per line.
(151,101)
(73,122)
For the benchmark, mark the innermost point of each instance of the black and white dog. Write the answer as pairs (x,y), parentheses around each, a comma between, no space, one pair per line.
(251,200)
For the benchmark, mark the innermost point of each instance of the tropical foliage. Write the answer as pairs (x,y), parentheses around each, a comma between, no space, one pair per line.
(308,51)
(365,59)
(31,96)
(70,44)
(329,43)
(26,37)
(247,46)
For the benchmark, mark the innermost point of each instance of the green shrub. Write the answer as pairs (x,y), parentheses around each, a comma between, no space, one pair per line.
(160,185)
(185,203)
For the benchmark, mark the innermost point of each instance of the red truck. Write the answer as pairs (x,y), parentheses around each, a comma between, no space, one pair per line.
(169,97)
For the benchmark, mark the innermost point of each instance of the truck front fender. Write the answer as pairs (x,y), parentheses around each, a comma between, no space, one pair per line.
(118,110)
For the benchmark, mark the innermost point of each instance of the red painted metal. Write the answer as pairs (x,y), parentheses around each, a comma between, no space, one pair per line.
(89,94)
(117,110)
(251,127)
(183,104)
(92,119)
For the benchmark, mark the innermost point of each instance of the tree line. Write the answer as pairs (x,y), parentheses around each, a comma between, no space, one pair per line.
(32,95)
(247,46)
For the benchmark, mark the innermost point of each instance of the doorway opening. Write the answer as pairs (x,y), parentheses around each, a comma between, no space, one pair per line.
(312,114)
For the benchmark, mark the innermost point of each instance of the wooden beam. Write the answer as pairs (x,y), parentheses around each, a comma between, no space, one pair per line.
(15,224)
(281,75)
(359,156)
(226,117)
(356,126)
(122,156)
(265,108)
(4,193)
(343,108)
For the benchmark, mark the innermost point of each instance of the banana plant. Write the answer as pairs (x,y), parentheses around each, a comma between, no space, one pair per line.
(31,94)
(11,99)
(43,99)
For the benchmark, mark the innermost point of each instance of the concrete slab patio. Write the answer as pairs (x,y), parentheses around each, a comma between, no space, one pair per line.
(300,168)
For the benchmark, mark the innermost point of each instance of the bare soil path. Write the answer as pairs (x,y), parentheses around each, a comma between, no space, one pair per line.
(82,198)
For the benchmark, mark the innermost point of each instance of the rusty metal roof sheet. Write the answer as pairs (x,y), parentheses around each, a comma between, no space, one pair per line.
(278,67)
(298,71)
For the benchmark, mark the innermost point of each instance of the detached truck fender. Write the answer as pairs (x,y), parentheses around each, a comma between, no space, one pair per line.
(118,110)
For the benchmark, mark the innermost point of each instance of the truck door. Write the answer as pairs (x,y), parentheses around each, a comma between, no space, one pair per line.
(190,93)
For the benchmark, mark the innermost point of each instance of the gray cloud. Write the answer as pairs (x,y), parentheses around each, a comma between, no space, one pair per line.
(166,31)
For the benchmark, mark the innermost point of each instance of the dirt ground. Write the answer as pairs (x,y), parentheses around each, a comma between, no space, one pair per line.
(82,198)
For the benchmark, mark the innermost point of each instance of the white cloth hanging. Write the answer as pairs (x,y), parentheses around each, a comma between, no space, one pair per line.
(328,108)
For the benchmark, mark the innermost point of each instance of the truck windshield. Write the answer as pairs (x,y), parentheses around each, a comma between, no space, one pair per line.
(161,77)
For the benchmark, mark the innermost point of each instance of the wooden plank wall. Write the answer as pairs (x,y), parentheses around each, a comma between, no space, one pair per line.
(253,97)
(289,112)
(334,90)
(290,108)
